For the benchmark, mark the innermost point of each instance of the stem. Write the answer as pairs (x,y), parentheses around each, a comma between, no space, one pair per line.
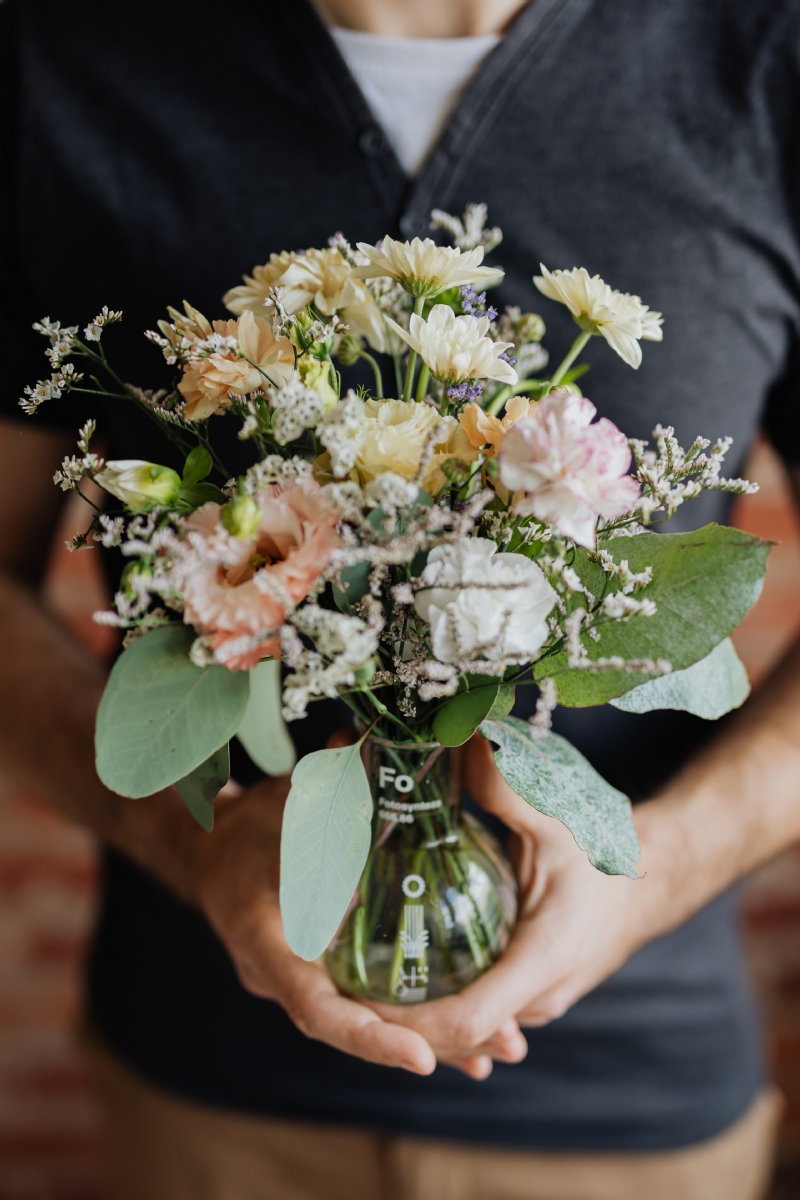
(411,365)
(376,372)
(577,346)
(515,389)
(422,385)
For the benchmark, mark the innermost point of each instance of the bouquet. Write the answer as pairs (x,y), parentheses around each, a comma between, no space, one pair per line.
(420,556)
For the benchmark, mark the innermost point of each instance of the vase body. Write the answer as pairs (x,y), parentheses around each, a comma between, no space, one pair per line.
(437,899)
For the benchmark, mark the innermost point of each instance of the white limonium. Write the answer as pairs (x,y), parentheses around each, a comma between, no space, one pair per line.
(138,484)
(481,603)
(456,348)
(423,268)
(619,317)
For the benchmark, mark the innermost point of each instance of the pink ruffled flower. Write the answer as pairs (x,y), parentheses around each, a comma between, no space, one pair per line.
(243,587)
(569,472)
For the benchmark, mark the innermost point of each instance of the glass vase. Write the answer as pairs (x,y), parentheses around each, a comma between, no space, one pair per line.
(437,899)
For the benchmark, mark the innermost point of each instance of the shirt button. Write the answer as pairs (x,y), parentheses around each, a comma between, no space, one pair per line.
(371,141)
(412,224)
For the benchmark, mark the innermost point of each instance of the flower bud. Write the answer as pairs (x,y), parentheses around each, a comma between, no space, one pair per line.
(364,673)
(135,572)
(349,351)
(140,485)
(528,327)
(456,470)
(241,517)
(316,375)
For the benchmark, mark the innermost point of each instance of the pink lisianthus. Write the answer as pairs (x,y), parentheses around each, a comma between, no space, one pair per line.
(242,587)
(566,471)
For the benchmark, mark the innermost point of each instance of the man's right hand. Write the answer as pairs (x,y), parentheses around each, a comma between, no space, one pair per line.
(236,876)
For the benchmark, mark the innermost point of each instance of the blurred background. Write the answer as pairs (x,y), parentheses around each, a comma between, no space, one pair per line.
(48,1126)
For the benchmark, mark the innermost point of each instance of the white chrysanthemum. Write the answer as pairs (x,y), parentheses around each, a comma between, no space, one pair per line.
(479,602)
(619,317)
(456,348)
(323,278)
(423,268)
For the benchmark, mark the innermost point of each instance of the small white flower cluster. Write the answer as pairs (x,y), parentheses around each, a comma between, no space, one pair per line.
(74,469)
(94,330)
(297,408)
(272,469)
(469,230)
(49,389)
(62,340)
(673,475)
(341,433)
(344,646)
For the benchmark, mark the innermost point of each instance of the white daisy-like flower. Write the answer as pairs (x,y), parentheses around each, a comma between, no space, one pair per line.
(619,317)
(423,268)
(456,348)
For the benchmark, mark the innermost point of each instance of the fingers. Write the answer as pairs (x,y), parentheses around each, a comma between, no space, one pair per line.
(478,1068)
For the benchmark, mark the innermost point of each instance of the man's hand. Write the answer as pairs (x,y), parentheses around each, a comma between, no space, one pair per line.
(575,926)
(236,884)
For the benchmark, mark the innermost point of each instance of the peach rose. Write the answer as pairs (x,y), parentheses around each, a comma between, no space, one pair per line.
(207,384)
(243,586)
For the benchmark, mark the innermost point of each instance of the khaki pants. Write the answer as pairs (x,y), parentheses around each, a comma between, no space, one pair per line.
(162,1148)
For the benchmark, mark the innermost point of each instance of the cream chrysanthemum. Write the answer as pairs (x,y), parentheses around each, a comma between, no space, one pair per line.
(423,268)
(456,348)
(323,278)
(619,317)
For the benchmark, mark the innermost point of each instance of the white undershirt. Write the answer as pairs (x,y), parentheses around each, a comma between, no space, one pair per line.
(412,84)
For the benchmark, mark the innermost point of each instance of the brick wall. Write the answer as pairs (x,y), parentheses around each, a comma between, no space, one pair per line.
(48,1126)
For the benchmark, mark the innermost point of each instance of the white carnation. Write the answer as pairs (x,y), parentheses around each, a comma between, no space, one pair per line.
(480,602)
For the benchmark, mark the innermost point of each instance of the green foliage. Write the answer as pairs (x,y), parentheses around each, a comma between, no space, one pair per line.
(199,789)
(554,778)
(708,689)
(263,731)
(324,846)
(457,720)
(197,466)
(704,583)
(161,716)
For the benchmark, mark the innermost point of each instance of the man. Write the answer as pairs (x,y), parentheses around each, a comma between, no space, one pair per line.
(157,151)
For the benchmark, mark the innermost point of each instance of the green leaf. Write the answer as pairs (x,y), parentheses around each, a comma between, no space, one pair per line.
(708,689)
(457,720)
(324,846)
(161,716)
(200,789)
(554,778)
(198,464)
(263,731)
(196,494)
(704,583)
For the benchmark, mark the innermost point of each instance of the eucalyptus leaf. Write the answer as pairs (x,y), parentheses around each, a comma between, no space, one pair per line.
(200,789)
(263,731)
(554,778)
(457,720)
(704,584)
(709,689)
(161,716)
(324,846)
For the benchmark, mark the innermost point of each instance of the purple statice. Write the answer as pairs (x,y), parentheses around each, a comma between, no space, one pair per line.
(509,358)
(464,391)
(474,303)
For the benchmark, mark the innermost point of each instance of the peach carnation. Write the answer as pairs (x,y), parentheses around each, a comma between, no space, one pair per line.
(243,587)
(485,430)
(208,382)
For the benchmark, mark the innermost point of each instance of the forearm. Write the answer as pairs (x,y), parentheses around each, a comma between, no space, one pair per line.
(732,808)
(48,701)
